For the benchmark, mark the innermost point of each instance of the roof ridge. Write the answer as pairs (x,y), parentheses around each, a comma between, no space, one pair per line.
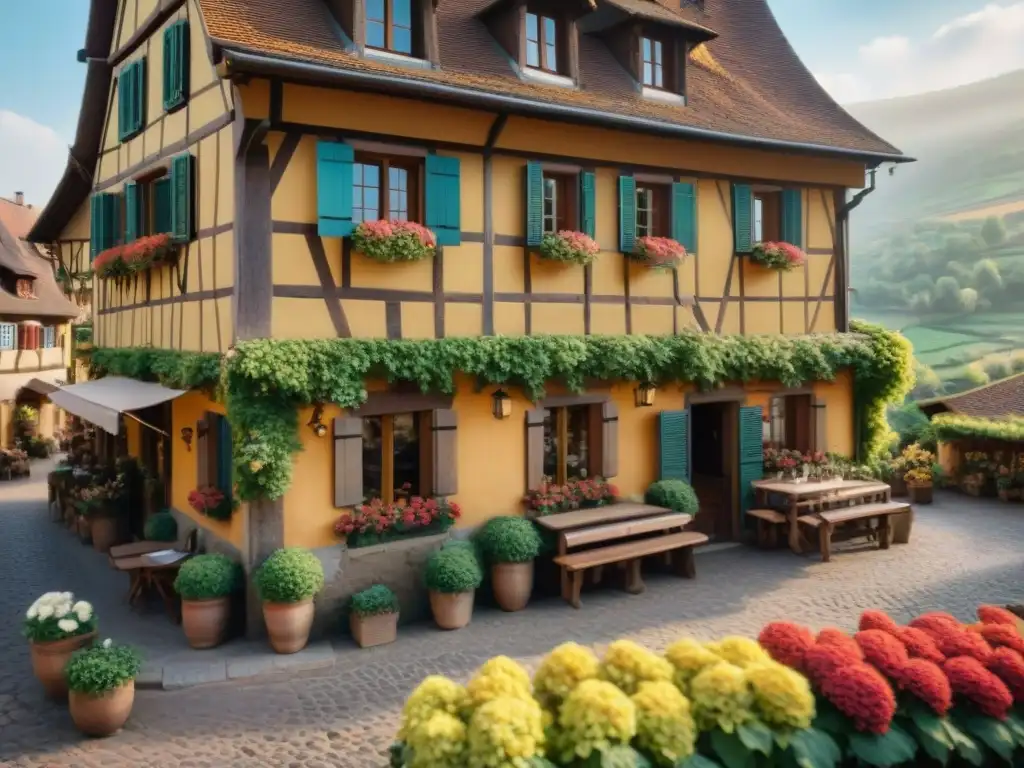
(946,398)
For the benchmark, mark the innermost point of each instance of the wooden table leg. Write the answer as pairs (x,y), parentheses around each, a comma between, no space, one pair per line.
(564,573)
(576,578)
(883,532)
(634,581)
(825,531)
(685,565)
(794,528)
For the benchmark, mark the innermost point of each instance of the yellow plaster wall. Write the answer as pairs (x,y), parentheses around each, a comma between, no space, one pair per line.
(133,433)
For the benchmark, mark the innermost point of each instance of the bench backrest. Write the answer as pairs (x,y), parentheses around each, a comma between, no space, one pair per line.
(625,529)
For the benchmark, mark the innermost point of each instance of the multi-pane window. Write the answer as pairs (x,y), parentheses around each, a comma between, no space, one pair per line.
(767,216)
(49,337)
(389,25)
(559,203)
(394,467)
(385,188)
(8,335)
(644,211)
(541,42)
(653,211)
(653,71)
(567,443)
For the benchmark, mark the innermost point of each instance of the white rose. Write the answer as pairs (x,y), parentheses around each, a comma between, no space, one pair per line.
(45,611)
(107,643)
(82,605)
(84,615)
(68,625)
(60,610)
(32,611)
(67,597)
(50,598)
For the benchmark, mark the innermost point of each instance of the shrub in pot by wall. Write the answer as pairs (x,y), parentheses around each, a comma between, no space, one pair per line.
(56,626)
(373,616)
(510,545)
(673,494)
(287,582)
(161,527)
(99,506)
(452,576)
(101,681)
(919,485)
(205,584)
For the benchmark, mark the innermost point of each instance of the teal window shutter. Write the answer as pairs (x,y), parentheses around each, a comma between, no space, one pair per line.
(534,203)
(674,445)
(123,88)
(751,441)
(443,191)
(588,203)
(224,470)
(334,188)
(793,217)
(627,214)
(132,212)
(684,215)
(140,96)
(95,226)
(182,209)
(162,218)
(176,64)
(743,218)
(111,214)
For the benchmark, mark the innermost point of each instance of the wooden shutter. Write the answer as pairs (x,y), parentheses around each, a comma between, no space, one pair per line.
(348,461)
(792,217)
(609,439)
(627,213)
(588,203)
(162,216)
(534,203)
(176,64)
(22,336)
(224,452)
(819,425)
(535,447)
(443,429)
(742,218)
(95,226)
(132,212)
(443,194)
(674,445)
(684,215)
(202,438)
(751,465)
(182,209)
(123,103)
(139,113)
(334,189)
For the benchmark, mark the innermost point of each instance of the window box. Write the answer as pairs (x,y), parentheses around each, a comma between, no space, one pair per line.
(211,502)
(378,522)
(781,257)
(568,247)
(551,498)
(658,252)
(138,256)
(394,240)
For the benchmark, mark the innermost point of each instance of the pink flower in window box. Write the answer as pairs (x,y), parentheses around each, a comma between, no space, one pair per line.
(394,240)
(781,257)
(659,252)
(569,247)
(137,256)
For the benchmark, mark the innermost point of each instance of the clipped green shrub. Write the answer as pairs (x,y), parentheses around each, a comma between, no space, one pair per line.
(205,577)
(673,494)
(509,539)
(452,570)
(290,575)
(161,527)
(102,668)
(374,601)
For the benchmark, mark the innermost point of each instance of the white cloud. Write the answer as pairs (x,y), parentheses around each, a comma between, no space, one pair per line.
(32,158)
(965,49)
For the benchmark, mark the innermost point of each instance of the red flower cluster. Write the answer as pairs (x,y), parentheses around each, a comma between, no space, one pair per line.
(135,256)
(958,641)
(551,498)
(786,642)
(781,256)
(1008,666)
(887,654)
(928,683)
(934,623)
(872,619)
(969,678)
(1002,636)
(839,639)
(378,517)
(203,500)
(919,644)
(993,614)
(821,660)
(861,693)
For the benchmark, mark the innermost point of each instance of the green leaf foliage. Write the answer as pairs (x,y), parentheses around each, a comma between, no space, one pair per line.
(730,750)
(374,601)
(178,370)
(930,732)
(989,731)
(966,747)
(756,736)
(883,750)
(161,527)
(673,494)
(205,577)
(951,426)
(99,669)
(508,539)
(814,749)
(290,575)
(452,570)
(697,761)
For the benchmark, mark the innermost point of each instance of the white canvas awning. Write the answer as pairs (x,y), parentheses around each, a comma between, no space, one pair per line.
(12,383)
(104,400)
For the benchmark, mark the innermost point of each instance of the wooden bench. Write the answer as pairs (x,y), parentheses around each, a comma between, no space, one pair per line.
(631,553)
(877,492)
(827,520)
(768,523)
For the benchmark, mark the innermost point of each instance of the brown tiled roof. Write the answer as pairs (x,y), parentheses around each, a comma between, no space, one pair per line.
(655,11)
(761,93)
(996,400)
(23,259)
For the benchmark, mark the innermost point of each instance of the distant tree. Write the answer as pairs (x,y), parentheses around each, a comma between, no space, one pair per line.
(993,231)
(921,283)
(928,382)
(947,295)
(961,272)
(975,375)
(997,368)
(968,299)
(960,246)
(986,278)
(1017,361)
(920,304)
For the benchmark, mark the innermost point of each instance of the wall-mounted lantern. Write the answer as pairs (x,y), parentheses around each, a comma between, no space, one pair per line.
(501,404)
(316,421)
(644,394)
(186,437)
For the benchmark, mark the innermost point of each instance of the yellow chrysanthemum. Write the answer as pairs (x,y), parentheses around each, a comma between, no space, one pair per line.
(721,697)
(561,671)
(627,664)
(439,742)
(740,651)
(664,726)
(505,733)
(595,716)
(499,677)
(782,696)
(688,659)
(434,694)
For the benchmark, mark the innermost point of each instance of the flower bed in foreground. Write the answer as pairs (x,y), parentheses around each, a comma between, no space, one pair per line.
(935,692)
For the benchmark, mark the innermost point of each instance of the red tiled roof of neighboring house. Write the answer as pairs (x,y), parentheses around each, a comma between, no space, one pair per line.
(756,88)
(993,401)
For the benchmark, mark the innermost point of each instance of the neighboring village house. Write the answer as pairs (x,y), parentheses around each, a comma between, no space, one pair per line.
(35,321)
(259,135)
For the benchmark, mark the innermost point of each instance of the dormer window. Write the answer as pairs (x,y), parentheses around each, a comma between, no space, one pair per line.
(653,63)
(541,42)
(389,25)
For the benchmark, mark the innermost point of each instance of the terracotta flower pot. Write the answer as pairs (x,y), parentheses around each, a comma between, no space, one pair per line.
(369,631)
(205,621)
(104,533)
(452,610)
(49,660)
(84,526)
(900,527)
(920,494)
(105,714)
(288,625)
(513,584)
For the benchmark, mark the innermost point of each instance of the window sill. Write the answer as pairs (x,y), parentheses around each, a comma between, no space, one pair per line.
(665,97)
(175,106)
(546,78)
(397,58)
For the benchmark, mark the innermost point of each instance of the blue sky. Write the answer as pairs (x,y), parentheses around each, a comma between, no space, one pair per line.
(858,49)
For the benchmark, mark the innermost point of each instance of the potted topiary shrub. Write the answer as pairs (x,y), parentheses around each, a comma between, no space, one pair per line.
(287,582)
(510,545)
(161,526)
(673,494)
(102,684)
(452,575)
(56,626)
(205,584)
(373,616)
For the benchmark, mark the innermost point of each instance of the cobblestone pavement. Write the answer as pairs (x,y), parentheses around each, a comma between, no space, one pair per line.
(964,551)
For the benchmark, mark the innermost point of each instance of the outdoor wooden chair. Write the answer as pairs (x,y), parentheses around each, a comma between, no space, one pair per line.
(148,574)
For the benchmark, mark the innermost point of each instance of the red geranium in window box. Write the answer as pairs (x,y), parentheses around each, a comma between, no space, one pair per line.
(136,256)
(376,521)
(212,502)
(781,257)
(659,252)
(394,240)
(569,247)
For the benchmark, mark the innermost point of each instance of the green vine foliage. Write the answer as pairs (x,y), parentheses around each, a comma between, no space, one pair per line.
(951,426)
(178,370)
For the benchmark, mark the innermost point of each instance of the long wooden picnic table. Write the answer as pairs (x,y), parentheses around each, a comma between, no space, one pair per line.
(796,493)
(612,513)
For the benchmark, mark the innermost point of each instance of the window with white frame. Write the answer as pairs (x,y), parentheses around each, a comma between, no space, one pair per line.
(8,335)
(49,337)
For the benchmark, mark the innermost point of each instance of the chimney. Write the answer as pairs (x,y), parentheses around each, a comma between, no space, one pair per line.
(19,198)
